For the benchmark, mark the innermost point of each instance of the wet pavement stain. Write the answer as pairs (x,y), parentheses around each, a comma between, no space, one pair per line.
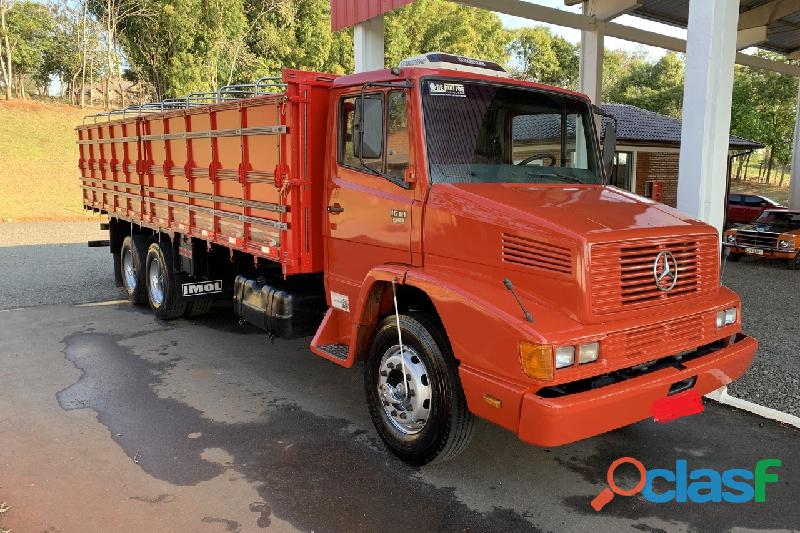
(310,471)
(230,525)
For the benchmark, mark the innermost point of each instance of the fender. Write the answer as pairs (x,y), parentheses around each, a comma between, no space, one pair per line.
(482,320)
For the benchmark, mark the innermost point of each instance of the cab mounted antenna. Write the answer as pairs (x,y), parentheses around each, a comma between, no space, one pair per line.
(510,287)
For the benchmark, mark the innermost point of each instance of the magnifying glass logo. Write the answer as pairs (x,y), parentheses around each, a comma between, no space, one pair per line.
(607,494)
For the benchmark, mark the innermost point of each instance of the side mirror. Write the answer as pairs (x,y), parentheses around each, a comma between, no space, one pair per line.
(368,127)
(609,147)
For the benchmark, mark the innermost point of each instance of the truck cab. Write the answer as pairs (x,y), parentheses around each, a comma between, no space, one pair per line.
(478,274)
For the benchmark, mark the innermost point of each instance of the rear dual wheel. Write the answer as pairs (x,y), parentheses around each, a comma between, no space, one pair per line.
(132,257)
(163,285)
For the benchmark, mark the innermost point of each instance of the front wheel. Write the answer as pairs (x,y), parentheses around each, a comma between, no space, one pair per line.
(414,395)
(735,258)
(794,263)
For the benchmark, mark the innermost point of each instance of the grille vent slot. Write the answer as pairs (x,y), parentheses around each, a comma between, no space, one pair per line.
(532,253)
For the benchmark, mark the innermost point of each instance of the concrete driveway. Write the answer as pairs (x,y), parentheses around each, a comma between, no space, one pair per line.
(113,421)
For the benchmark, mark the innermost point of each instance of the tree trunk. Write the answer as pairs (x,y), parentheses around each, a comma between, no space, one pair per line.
(769,168)
(783,174)
(109,52)
(747,165)
(4,30)
(84,52)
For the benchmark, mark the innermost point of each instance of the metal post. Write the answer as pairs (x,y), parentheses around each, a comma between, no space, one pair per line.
(794,178)
(591,58)
(368,44)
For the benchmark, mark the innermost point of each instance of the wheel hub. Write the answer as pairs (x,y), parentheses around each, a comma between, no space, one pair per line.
(408,410)
(156,282)
(129,270)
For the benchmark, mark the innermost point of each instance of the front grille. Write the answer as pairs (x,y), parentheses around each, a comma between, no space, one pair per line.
(622,272)
(532,253)
(668,337)
(757,239)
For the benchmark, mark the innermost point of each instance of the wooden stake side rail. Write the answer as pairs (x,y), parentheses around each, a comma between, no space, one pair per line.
(237,173)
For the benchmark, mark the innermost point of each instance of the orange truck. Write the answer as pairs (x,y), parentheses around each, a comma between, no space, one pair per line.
(445,225)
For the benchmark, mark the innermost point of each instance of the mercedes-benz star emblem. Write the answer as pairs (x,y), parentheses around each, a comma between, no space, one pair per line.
(665,271)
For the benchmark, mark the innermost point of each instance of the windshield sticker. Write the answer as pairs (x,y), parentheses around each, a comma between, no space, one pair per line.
(440,88)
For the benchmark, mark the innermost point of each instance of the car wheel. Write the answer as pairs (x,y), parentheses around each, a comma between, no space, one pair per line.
(414,396)
(163,289)
(794,264)
(735,258)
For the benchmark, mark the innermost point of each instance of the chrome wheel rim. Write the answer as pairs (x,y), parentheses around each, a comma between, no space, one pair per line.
(129,270)
(408,413)
(156,285)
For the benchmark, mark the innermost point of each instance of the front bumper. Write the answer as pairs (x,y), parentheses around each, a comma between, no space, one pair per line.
(557,421)
(771,253)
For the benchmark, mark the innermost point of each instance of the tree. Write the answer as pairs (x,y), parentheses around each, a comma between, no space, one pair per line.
(5,43)
(29,32)
(655,86)
(764,109)
(439,25)
(540,56)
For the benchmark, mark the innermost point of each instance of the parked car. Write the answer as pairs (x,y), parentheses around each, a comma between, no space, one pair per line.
(745,208)
(775,234)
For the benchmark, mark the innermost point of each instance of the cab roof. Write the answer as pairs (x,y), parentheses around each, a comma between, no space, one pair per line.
(416,73)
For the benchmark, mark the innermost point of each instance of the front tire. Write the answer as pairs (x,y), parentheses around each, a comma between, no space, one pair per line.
(735,258)
(431,423)
(163,288)
(794,264)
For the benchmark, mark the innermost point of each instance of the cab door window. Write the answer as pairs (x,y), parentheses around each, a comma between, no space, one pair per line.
(396,135)
(384,129)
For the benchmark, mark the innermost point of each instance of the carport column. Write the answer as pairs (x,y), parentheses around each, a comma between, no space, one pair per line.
(591,59)
(707,96)
(368,44)
(794,183)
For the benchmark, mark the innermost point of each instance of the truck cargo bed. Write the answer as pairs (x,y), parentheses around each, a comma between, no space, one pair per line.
(242,173)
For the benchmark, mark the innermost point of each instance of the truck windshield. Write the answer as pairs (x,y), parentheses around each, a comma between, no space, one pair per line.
(780,220)
(485,133)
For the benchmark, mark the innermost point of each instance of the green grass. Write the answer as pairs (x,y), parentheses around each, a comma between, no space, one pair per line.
(39,176)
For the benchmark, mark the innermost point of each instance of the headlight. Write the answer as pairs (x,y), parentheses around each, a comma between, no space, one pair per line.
(730,239)
(589,352)
(726,317)
(787,245)
(565,356)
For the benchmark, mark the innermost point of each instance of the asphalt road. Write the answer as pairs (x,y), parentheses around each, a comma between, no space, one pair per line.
(770,312)
(44,263)
(112,420)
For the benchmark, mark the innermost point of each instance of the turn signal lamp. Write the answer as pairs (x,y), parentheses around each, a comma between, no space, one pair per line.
(536,360)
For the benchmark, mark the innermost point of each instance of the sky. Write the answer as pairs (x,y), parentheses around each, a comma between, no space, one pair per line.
(574,35)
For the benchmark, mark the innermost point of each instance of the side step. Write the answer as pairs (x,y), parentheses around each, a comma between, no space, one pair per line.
(339,351)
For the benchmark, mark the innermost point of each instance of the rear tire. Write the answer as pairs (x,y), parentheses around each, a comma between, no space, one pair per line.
(163,287)
(132,257)
(433,433)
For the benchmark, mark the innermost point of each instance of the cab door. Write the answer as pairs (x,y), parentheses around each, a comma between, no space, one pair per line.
(369,202)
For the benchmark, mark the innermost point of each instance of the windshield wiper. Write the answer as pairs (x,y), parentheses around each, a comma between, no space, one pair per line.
(565,177)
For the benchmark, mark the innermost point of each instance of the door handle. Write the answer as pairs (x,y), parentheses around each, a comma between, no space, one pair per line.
(335,209)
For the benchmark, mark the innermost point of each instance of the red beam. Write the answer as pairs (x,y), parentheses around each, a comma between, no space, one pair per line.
(346,13)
